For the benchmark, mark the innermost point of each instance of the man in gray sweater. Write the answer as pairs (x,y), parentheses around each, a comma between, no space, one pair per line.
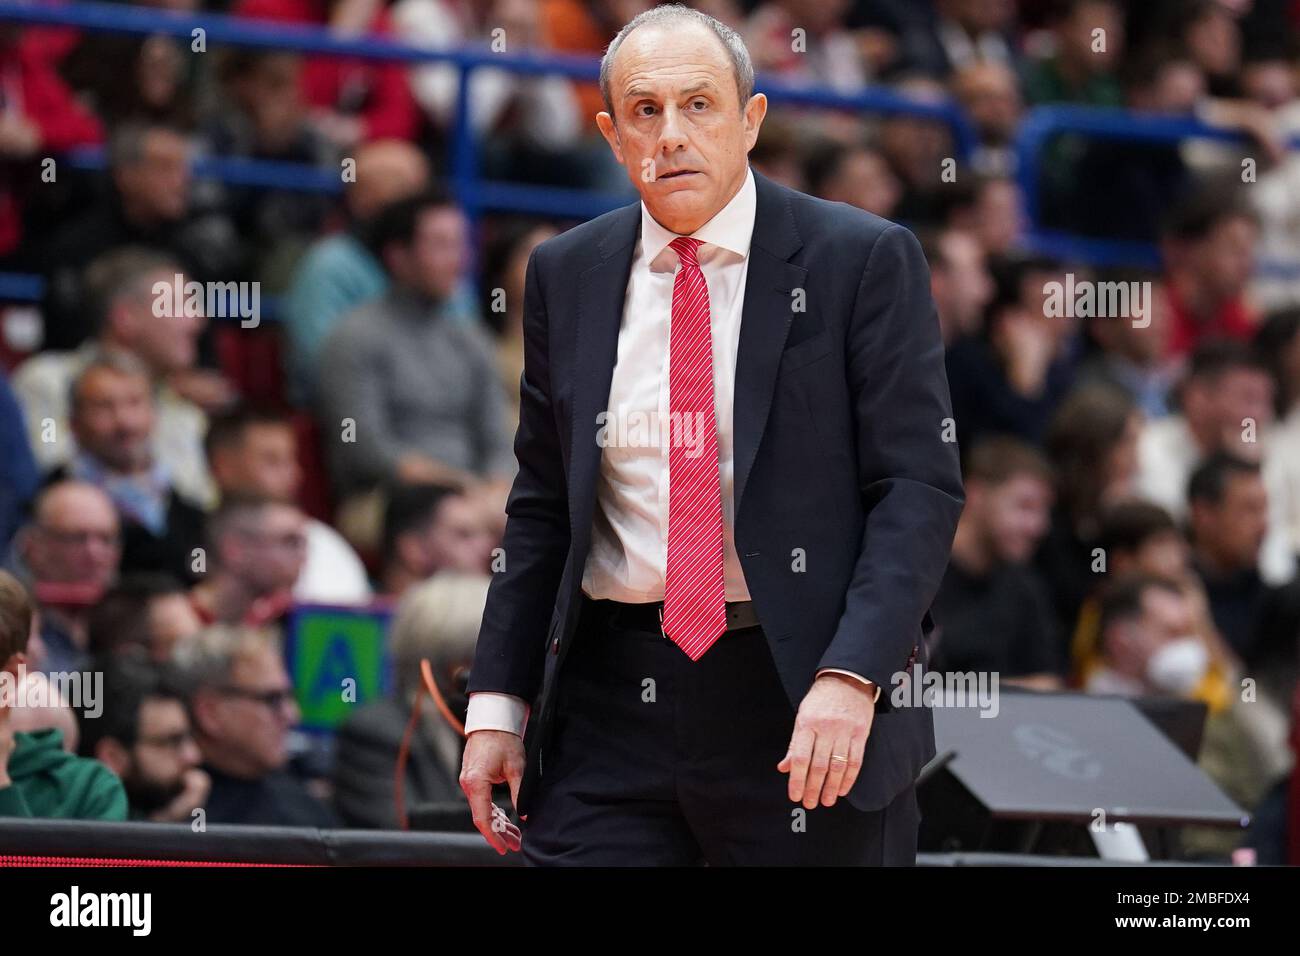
(408,386)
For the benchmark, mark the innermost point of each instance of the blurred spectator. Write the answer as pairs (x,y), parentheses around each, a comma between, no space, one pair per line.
(505,268)
(134,78)
(1141,538)
(1150,647)
(256,550)
(1225,405)
(1149,643)
(1137,537)
(350,101)
(1209,251)
(1132,352)
(254,451)
(19,473)
(148,205)
(1273,83)
(427,529)
(990,95)
(146,615)
(916,148)
(528,121)
(777,154)
(1209,31)
(993,612)
(1142,180)
(242,707)
(114,420)
(1228,520)
(959,282)
(1010,379)
(338,272)
(143,736)
(68,554)
(40,117)
(1277,343)
(38,778)
(53,713)
(1092,444)
(1089,44)
(992,212)
(587,27)
(855,174)
(964,32)
(804,42)
(437,620)
(120,292)
(419,388)
(261,116)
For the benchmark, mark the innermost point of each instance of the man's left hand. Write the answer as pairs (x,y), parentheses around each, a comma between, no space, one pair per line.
(830,734)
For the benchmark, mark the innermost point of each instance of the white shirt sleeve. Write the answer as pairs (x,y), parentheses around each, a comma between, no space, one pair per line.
(491,711)
(857,677)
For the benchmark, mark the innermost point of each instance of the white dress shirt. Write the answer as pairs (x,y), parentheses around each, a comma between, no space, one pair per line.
(629,535)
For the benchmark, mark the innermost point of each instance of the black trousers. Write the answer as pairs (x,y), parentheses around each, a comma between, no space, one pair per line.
(658,760)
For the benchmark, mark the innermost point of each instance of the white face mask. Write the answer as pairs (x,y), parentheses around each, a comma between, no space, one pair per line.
(1178,666)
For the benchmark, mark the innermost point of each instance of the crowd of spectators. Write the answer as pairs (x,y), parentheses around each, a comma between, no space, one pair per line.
(1133,475)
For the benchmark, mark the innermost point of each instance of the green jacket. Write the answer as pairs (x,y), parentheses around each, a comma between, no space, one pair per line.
(47,782)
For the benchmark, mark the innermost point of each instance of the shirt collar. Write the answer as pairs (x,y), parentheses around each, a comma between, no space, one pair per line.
(731,228)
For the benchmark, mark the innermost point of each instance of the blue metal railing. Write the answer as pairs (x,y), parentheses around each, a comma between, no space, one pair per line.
(474,194)
(477,195)
(1043,123)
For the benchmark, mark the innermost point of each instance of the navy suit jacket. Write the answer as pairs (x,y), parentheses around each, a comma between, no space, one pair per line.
(841,416)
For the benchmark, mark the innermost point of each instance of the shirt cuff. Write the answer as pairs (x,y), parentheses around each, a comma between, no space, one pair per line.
(857,677)
(491,711)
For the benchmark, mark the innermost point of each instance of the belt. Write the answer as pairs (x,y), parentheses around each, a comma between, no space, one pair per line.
(649,616)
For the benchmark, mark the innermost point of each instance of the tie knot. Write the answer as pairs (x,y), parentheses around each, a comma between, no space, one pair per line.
(687,250)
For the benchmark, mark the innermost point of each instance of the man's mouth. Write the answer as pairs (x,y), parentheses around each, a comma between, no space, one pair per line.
(677,173)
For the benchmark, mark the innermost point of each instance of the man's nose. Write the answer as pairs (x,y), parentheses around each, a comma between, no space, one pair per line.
(672,135)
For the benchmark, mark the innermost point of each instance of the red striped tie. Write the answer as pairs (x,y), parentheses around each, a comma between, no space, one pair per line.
(695,610)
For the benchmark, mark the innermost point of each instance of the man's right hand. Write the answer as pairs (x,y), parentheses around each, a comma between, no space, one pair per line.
(492,757)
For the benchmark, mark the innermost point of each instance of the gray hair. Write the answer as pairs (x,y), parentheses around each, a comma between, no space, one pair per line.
(126,144)
(111,360)
(438,619)
(122,272)
(741,65)
(206,659)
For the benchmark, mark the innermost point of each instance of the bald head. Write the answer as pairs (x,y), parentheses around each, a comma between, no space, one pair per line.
(73,537)
(682,116)
(66,498)
(387,170)
(667,19)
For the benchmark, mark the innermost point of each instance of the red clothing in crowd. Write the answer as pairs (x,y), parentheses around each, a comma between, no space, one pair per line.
(30,87)
(1233,321)
(386,106)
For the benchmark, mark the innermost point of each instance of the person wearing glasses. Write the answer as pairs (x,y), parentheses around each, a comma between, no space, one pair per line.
(242,706)
(144,736)
(68,556)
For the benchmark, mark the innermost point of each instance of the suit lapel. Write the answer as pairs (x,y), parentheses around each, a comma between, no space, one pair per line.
(602,289)
(765,322)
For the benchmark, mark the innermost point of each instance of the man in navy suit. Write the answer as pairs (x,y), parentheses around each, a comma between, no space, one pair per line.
(735,502)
